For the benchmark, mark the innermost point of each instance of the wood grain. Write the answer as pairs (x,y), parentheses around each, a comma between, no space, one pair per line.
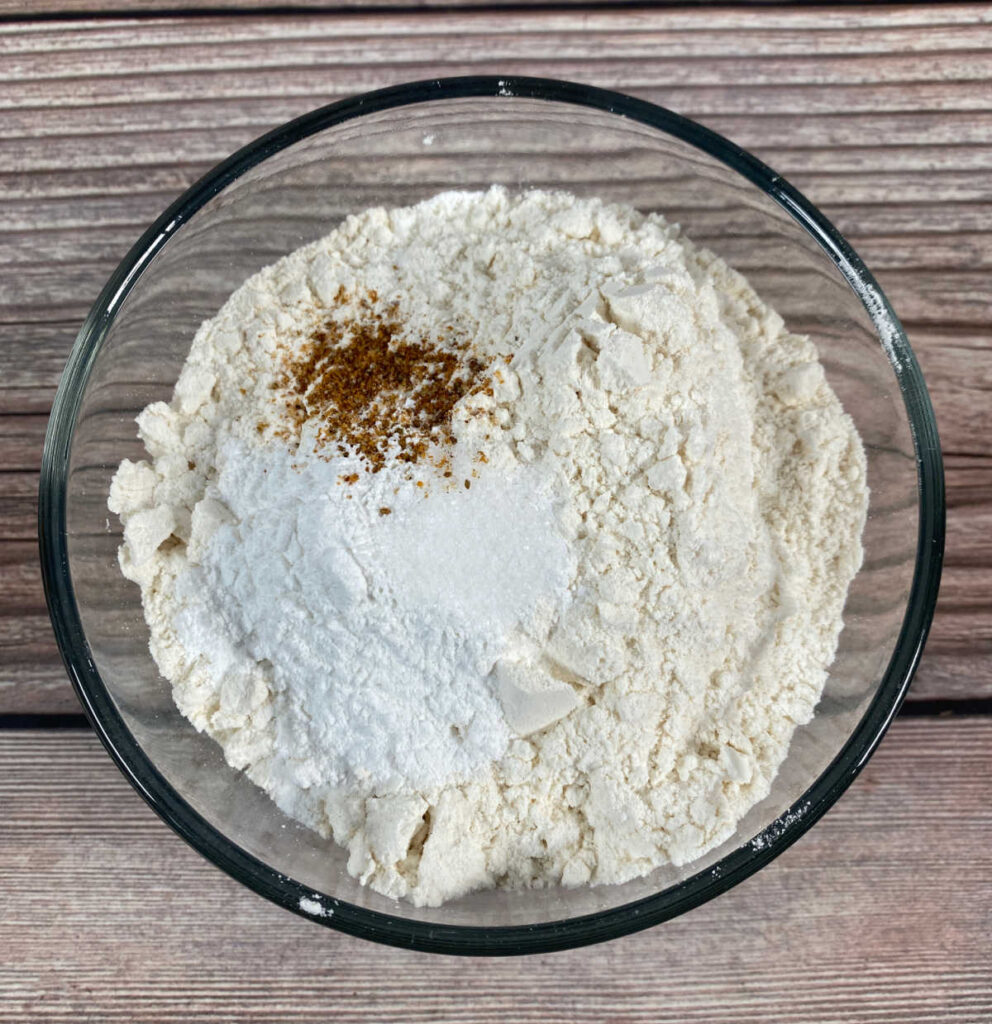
(883,913)
(896,13)
(883,116)
(16,8)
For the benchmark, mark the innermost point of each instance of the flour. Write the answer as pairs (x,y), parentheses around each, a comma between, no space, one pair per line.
(561,635)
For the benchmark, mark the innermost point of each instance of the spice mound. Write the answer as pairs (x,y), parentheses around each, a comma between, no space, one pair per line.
(503,540)
(371,389)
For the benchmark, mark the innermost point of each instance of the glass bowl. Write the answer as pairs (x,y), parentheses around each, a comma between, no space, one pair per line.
(395,147)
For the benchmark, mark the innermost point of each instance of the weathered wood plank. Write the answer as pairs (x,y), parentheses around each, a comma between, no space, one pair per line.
(654,59)
(882,118)
(21,441)
(200,142)
(18,505)
(104,122)
(32,356)
(881,913)
(89,7)
(823,20)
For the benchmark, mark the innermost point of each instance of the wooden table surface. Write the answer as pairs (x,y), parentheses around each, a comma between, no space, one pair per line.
(883,117)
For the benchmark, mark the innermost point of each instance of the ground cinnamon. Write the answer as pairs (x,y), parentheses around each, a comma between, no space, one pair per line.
(376,388)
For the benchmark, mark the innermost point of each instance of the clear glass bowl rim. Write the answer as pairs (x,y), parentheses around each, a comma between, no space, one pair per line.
(461,939)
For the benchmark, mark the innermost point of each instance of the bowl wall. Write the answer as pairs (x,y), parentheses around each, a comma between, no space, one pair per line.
(398,156)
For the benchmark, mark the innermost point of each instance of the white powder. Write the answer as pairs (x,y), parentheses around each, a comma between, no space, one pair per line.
(587,663)
(375,632)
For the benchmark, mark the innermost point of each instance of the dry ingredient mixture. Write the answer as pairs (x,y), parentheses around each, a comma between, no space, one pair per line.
(502,538)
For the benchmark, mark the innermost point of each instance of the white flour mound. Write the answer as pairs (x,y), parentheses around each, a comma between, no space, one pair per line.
(589,662)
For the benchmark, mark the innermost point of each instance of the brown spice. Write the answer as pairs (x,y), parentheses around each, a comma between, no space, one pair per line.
(374,388)
(385,511)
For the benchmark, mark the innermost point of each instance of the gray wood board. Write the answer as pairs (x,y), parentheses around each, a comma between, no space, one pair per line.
(883,116)
(882,913)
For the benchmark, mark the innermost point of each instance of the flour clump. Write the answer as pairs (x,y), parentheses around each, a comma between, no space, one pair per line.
(503,539)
